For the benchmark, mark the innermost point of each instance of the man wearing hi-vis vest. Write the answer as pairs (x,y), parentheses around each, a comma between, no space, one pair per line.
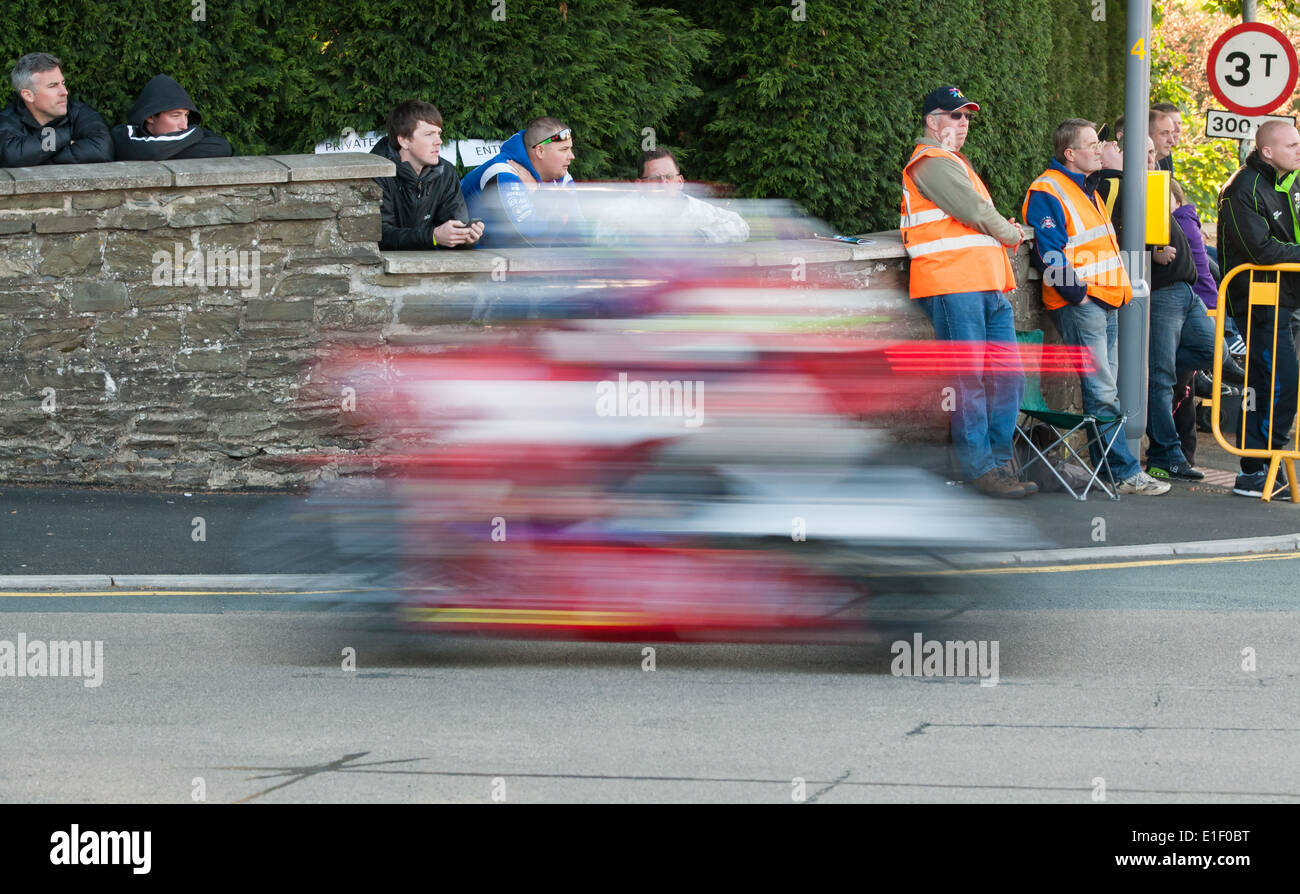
(959,270)
(1084,282)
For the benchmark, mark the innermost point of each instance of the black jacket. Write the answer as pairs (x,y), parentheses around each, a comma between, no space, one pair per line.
(80,136)
(413,206)
(1258,225)
(162,94)
(1182,268)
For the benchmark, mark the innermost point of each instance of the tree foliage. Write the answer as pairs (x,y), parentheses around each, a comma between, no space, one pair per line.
(815,101)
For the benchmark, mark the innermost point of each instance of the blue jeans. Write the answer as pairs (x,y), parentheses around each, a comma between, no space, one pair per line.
(1096,327)
(987,397)
(1182,340)
(1279,411)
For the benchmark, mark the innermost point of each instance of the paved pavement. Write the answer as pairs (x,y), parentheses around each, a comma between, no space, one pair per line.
(103,533)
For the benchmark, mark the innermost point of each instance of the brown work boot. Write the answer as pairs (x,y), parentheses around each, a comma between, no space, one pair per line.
(996,483)
(1029,486)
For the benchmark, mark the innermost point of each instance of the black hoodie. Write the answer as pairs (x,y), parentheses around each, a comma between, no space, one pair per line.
(412,206)
(79,136)
(162,94)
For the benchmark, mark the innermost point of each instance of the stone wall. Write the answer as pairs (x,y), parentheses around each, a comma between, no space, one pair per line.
(156,318)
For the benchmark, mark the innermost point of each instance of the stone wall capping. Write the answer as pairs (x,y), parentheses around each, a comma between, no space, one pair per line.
(336,166)
(242,169)
(887,245)
(81,178)
(239,170)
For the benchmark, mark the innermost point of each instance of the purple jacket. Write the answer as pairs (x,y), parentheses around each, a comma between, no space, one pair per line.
(1190,221)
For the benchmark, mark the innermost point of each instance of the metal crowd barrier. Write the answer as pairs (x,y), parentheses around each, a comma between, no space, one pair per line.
(1266,294)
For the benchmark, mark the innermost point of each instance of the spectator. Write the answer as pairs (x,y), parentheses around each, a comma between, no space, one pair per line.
(164,123)
(43,126)
(1165,162)
(1189,221)
(1257,225)
(1181,335)
(421,206)
(1084,282)
(524,193)
(959,272)
(699,219)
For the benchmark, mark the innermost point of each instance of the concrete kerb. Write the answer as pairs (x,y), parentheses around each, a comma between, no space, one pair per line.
(128,583)
(1101,554)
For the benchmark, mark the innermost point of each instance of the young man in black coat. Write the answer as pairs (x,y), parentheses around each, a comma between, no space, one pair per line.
(164,123)
(43,126)
(422,207)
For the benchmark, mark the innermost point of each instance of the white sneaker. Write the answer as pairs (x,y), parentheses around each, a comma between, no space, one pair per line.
(1143,485)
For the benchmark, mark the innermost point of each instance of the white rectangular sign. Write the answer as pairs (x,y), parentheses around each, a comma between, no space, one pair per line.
(474,152)
(1230,125)
(350,141)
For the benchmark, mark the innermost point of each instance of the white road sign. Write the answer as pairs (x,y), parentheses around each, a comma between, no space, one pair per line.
(1252,68)
(1219,123)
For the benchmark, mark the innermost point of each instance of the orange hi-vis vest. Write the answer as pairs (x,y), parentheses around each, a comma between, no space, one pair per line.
(946,255)
(1091,249)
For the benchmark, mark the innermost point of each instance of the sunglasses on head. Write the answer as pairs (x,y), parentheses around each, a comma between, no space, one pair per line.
(563,135)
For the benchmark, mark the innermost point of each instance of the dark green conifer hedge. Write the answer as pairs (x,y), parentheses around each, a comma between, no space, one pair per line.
(817,102)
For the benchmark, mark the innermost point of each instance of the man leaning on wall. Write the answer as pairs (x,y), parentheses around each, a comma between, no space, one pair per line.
(959,271)
(43,125)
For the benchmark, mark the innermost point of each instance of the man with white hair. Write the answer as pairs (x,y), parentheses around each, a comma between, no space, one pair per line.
(43,126)
(1259,223)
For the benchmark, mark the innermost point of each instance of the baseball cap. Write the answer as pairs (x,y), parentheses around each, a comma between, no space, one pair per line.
(949,99)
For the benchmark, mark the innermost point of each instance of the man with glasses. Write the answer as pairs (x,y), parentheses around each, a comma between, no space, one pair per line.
(687,216)
(524,194)
(1085,283)
(959,272)
(1181,334)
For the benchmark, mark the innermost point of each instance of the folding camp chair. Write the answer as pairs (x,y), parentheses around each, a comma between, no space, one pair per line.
(1064,425)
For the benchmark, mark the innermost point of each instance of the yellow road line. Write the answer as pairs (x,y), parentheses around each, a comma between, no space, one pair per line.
(566,618)
(1011,569)
(1135,563)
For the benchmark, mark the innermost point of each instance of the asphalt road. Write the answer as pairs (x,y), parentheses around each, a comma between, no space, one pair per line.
(1125,677)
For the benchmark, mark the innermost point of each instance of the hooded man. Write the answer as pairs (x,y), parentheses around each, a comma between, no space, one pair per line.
(164,123)
(524,193)
(43,126)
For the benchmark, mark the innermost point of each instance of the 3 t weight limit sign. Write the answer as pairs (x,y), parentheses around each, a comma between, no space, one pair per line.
(1252,68)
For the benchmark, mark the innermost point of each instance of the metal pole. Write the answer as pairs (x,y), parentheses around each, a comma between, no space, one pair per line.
(1245,147)
(1134,318)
